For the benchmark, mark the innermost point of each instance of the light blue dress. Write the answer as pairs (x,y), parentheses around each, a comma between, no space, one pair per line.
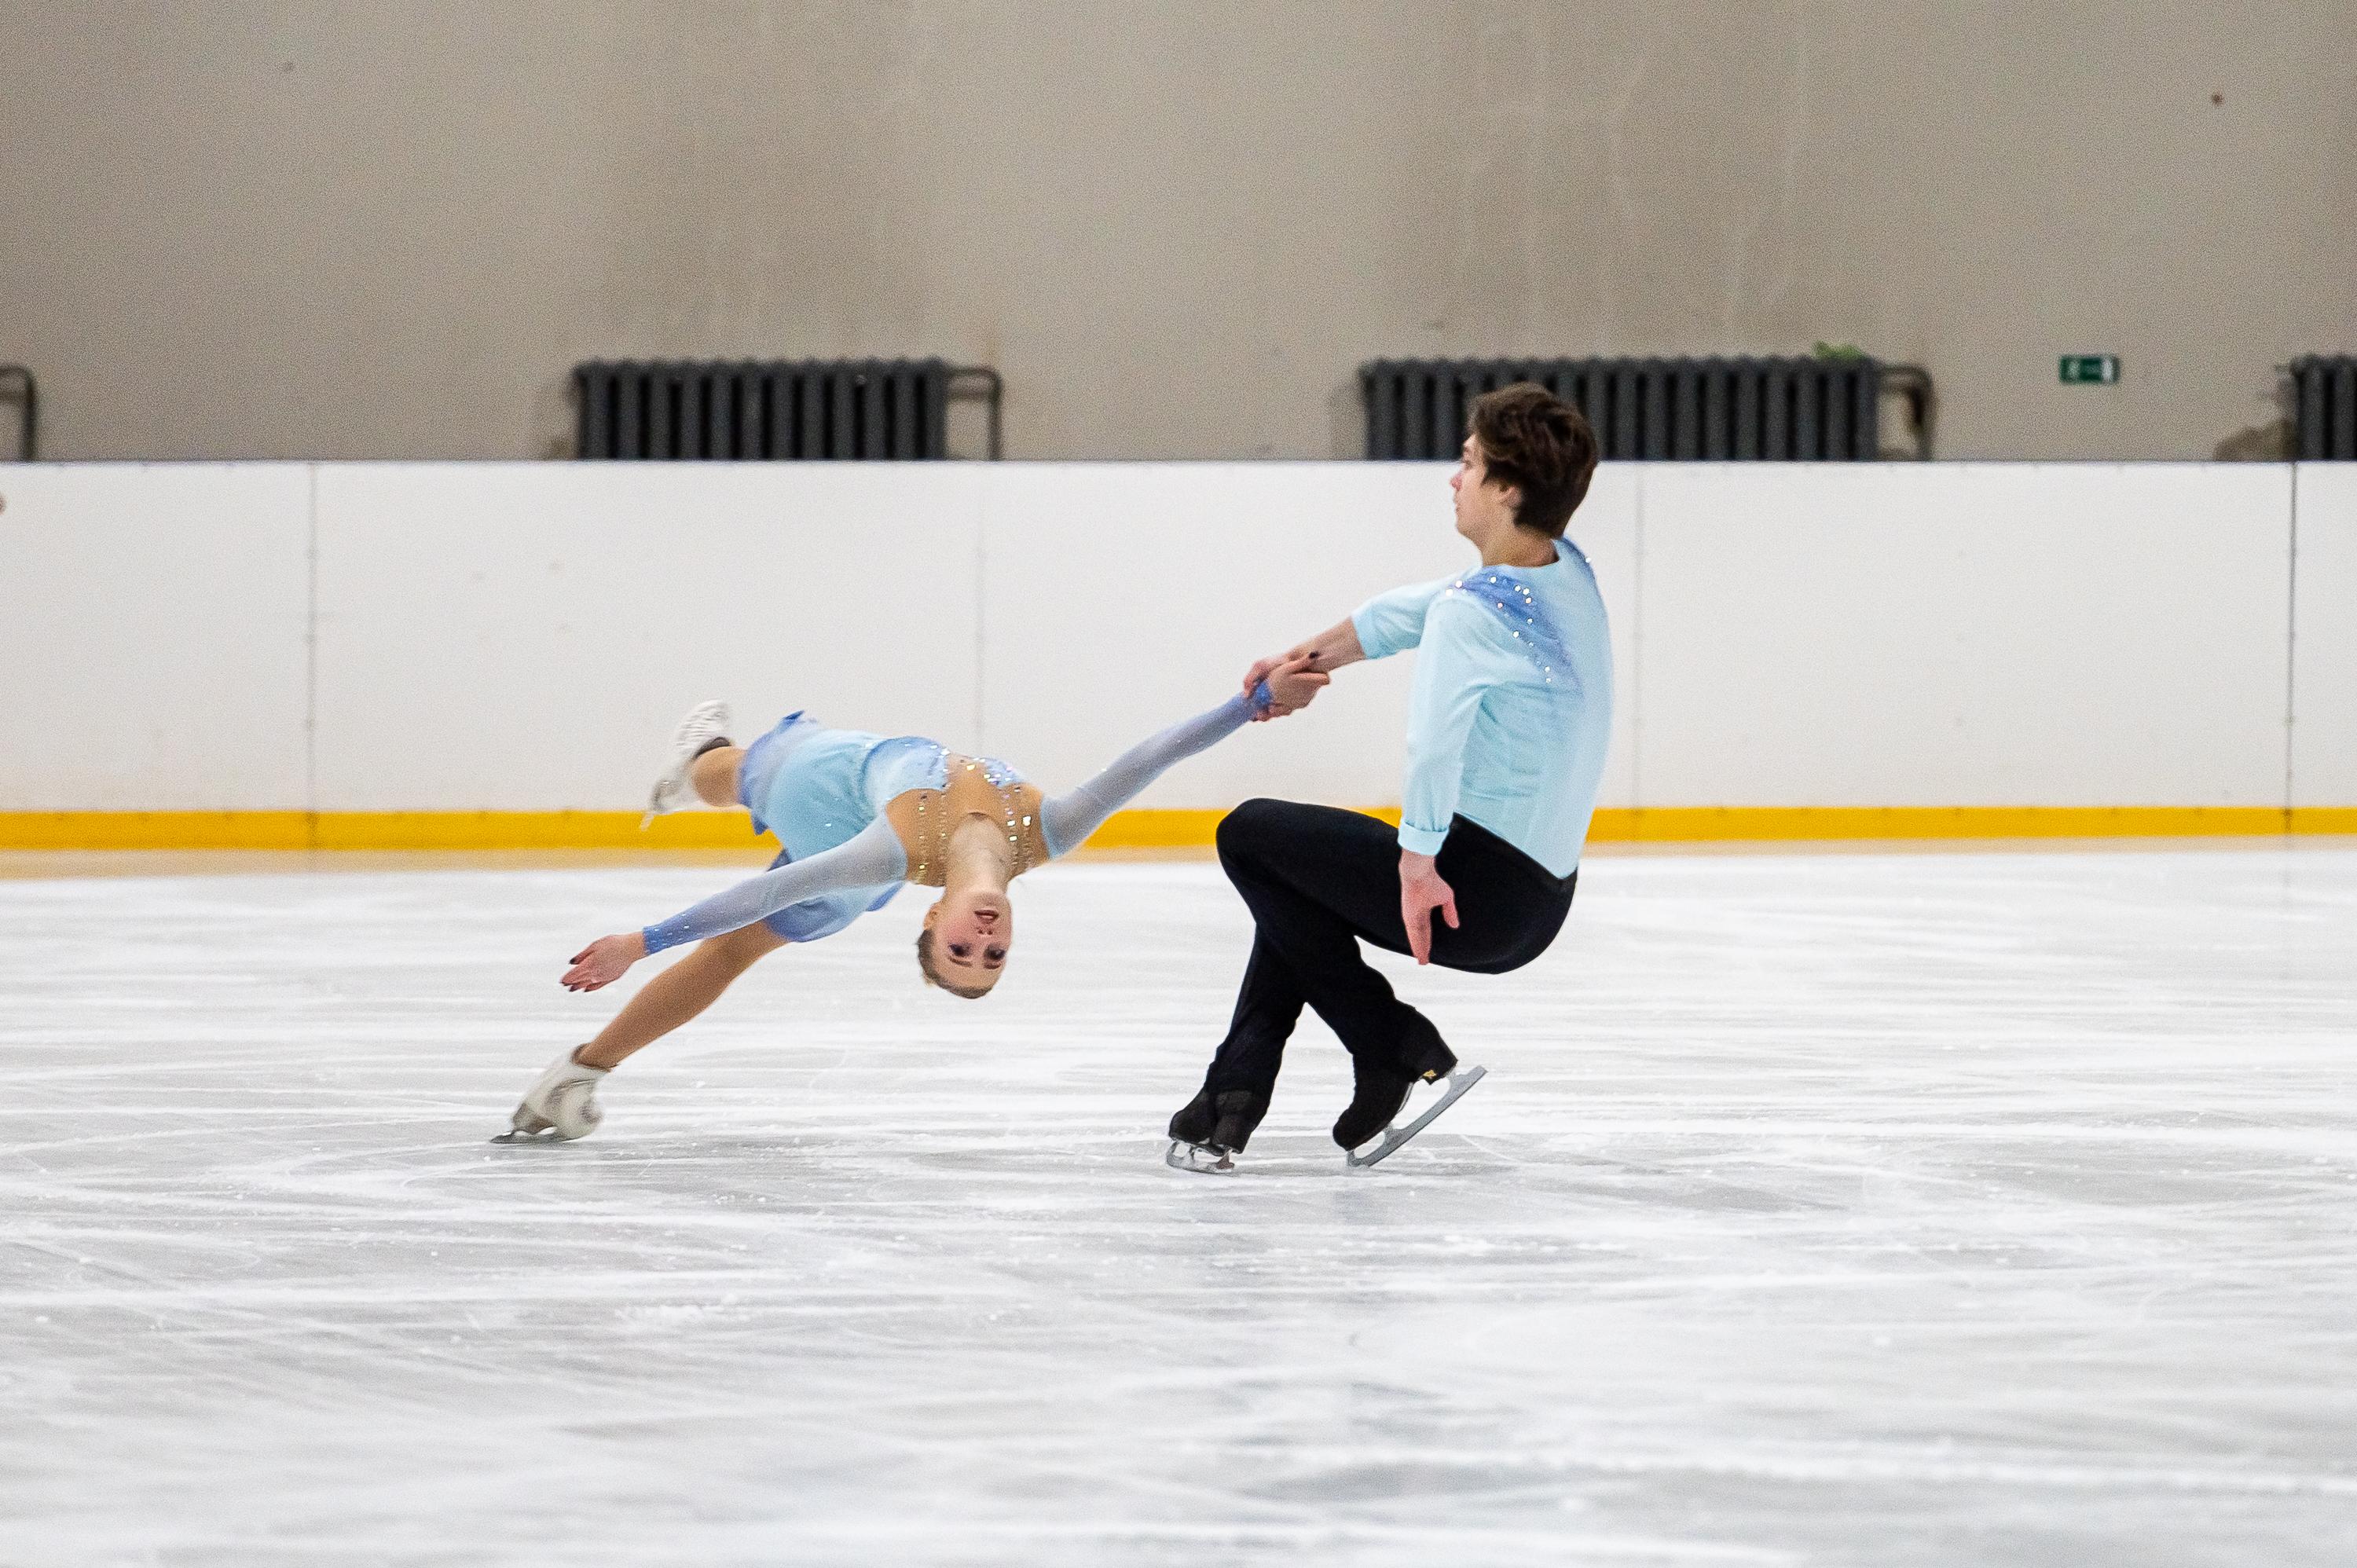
(823,792)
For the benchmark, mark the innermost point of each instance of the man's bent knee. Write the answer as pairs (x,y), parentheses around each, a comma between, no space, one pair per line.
(1248,828)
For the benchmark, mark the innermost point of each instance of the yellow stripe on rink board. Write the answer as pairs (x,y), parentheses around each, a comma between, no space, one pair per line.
(2323,820)
(1145,829)
(1708,824)
(155,830)
(1127,830)
(1696,824)
(533,829)
(370,830)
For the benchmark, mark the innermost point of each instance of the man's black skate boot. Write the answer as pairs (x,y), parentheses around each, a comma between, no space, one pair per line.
(1381,1091)
(1382,1088)
(1240,1113)
(1195,1119)
(1211,1129)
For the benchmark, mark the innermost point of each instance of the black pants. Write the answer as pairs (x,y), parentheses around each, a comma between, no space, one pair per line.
(1318,881)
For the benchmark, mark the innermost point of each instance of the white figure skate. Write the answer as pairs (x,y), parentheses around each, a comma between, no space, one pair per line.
(1452,1088)
(560,1107)
(672,792)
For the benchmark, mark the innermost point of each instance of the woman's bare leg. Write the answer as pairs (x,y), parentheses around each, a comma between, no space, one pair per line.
(713,774)
(679,992)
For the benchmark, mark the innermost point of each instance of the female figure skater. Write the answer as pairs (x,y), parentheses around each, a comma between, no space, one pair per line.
(857,815)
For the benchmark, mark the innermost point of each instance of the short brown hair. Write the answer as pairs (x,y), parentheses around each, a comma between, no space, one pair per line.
(933,976)
(1543,446)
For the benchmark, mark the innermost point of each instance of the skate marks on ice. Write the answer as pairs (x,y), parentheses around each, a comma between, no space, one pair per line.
(1855,1210)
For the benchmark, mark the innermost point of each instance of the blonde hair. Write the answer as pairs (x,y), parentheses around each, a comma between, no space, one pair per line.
(933,976)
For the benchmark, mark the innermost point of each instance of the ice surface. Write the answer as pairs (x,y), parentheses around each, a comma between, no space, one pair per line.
(1871,1209)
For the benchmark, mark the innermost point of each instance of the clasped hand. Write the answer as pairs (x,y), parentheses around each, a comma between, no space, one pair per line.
(1293,680)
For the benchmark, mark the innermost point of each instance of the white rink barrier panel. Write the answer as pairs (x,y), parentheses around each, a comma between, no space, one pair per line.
(490,655)
(2324,638)
(1904,635)
(521,637)
(155,632)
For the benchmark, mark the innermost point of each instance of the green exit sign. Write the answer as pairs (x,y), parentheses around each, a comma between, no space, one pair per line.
(2090,369)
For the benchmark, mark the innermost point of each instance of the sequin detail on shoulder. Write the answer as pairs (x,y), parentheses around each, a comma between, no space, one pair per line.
(1513,601)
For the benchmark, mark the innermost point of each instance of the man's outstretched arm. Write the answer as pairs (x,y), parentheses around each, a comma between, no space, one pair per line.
(1388,624)
(1326,652)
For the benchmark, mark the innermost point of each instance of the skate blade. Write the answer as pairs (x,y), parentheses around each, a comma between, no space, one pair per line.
(1202,1159)
(666,797)
(1460,1080)
(529,1129)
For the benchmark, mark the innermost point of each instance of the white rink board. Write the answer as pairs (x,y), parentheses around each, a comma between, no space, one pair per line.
(2324,637)
(522,637)
(154,622)
(1970,635)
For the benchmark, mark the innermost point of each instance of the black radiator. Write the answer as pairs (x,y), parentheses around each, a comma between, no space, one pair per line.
(1716,410)
(16,382)
(2324,408)
(773,409)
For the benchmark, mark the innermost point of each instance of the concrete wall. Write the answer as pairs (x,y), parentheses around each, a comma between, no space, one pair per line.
(325,229)
(420,638)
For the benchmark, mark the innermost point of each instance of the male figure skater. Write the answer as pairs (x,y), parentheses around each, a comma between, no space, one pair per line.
(1512,712)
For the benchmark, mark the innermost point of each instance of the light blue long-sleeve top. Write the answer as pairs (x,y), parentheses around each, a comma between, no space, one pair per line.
(823,793)
(1513,704)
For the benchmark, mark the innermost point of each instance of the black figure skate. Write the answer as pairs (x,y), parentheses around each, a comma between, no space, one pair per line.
(1206,1136)
(1382,1094)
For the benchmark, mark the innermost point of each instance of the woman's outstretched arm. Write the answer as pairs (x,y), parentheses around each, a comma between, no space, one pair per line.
(875,855)
(1067,820)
